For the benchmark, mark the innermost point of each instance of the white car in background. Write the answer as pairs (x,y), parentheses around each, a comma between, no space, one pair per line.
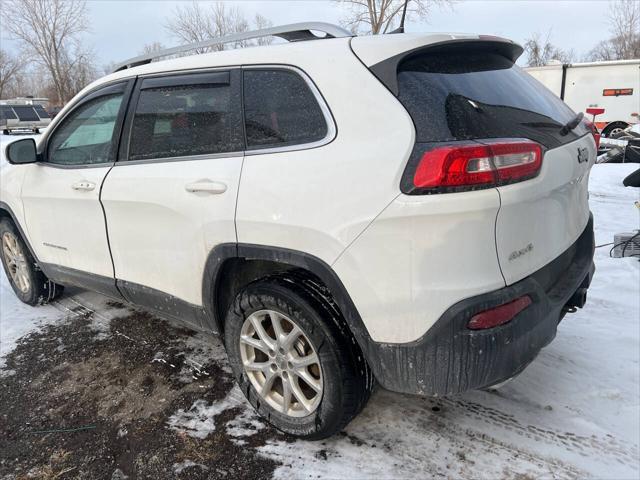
(410,209)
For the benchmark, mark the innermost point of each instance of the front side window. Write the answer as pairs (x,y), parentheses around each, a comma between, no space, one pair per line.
(85,136)
(280,110)
(185,120)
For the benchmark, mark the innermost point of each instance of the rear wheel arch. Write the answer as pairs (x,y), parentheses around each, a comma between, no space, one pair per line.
(231,267)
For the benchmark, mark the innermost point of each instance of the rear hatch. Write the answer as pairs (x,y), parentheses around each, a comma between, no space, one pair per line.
(472,93)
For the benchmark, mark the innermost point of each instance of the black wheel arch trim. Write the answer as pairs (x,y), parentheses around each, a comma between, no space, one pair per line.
(221,253)
(5,207)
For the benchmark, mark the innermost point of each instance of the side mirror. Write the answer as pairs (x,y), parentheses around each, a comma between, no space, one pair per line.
(22,151)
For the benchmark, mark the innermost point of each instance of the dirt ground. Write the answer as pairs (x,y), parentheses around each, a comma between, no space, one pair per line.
(85,404)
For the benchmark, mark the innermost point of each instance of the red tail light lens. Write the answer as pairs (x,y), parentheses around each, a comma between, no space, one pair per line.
(498,315)
(594,131)
(478,165)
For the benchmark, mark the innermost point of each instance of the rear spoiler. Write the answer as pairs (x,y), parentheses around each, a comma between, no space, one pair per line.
(387,70)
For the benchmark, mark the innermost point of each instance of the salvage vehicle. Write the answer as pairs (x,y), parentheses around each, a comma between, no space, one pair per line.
(611,90)
(409,210)
(19,115)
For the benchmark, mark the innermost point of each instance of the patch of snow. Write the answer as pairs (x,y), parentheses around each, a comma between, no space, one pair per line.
(18,319)
(199,420)
(178,468)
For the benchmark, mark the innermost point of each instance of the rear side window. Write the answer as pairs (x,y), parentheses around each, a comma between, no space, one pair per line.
(280,110)
(42,113)
(26,113)
(6,113)
(185,120)
(471,95)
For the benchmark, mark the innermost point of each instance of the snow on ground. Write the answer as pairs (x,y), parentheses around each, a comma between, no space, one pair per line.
(18,319)
(573,413)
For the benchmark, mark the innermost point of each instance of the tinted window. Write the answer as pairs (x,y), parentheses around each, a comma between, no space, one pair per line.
(186,120)
(42,113)
(280,109)
(26,113)
(6,112)
(85,136)
(460,96)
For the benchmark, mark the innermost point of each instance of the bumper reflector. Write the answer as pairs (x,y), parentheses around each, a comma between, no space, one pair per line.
(499,315)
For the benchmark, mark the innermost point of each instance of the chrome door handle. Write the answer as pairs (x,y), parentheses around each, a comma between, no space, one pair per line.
(84,185)
(206,186)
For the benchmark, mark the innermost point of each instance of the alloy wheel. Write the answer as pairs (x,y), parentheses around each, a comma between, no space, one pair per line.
(16,262)
(281,363)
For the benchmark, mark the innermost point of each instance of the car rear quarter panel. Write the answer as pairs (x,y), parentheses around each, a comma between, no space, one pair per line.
(419,257)
(318,200)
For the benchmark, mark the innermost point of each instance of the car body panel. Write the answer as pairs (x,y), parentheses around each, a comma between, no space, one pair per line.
(540,218)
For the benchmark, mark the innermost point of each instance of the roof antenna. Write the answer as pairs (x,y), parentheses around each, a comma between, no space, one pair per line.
(400,29)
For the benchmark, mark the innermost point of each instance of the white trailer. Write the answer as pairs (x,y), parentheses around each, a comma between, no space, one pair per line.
(608,90)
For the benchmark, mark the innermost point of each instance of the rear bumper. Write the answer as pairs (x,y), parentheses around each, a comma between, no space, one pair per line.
(451,359)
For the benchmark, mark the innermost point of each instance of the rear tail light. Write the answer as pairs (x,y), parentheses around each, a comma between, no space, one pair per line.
(499,315)
(469,166)
(594,131)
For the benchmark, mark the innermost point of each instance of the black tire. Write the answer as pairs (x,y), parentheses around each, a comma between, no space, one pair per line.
(36,130)
(347,379)
(5,132)
(608,130)
(41,290)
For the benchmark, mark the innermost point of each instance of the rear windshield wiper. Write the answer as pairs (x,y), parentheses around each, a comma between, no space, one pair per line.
(571,124)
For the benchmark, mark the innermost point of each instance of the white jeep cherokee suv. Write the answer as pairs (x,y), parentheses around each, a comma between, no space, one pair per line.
(406,208)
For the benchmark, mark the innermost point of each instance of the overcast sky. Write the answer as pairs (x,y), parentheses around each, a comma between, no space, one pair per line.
(120,28)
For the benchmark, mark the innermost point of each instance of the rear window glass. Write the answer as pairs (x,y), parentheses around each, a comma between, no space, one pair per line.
(186,120)
(280,110)
(463,96)
(42,113)
(6,112)
(26,113)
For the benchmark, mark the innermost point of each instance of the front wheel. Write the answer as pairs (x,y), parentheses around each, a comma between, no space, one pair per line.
(293,360)
(28,282)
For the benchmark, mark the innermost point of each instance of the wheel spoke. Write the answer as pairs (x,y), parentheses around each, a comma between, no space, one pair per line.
(257,366)
(293,335)
(297,392)
(286,395)
(255,343)
(276,320)
(309,380)
(264,336)
(268,383)
(306,361)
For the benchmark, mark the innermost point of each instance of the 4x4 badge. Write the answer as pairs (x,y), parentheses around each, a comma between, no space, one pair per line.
(583,155)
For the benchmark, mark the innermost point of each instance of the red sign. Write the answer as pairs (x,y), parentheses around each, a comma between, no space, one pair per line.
(616,92)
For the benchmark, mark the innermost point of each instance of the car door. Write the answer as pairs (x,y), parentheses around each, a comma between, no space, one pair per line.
(60,194)
(171,196)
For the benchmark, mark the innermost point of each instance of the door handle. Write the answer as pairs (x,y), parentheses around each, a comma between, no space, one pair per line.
(206,186)
(84,185)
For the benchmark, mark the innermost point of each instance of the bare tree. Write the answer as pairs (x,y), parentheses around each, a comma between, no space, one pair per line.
(260,22)
(193,23)
(624,44)
(381,16)
(152,47)
(10,68)
(50,30)
(541,52)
